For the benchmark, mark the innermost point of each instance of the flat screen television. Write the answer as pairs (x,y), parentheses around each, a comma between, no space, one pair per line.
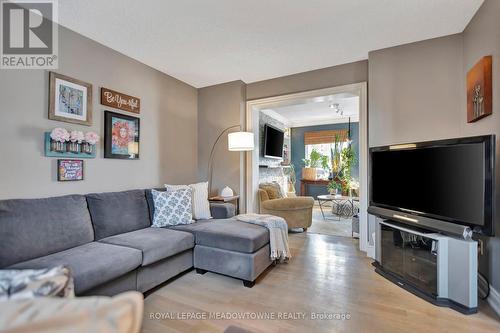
(273,142)
(447,180)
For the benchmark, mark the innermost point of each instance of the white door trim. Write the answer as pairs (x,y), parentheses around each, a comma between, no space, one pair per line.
(252,168)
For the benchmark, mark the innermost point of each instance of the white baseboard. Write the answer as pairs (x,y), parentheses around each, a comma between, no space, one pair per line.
(494,300)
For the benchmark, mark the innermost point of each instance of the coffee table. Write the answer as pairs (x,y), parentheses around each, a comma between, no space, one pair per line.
(344,205)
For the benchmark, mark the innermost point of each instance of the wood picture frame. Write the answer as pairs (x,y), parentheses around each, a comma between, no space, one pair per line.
(69,170)
(479,90)
(121,136)
(120,101)
(70,100)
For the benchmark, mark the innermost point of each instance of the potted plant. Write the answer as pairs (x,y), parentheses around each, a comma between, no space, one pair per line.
(91,139)
(348,159)
(310,165)
(335,156)
(58,139)
(75,140)
(334,187)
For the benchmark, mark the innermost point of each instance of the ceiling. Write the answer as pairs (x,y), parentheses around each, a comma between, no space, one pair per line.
(206,42)
(317,111)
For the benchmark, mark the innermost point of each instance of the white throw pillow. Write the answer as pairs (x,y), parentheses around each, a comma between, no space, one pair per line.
(201,206)
(172,207)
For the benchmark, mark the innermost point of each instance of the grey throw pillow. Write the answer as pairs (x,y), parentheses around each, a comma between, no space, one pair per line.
(33,283)
(172,207)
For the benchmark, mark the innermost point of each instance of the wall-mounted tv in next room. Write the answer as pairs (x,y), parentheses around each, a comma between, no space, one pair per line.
(444,181)
(273,142)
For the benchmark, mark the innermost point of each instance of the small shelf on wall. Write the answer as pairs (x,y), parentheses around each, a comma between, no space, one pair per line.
(263,166)
(64,154)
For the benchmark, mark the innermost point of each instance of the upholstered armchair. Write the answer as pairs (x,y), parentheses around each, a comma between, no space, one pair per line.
(296,211)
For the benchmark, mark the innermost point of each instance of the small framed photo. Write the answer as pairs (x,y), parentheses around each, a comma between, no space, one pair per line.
(69,170)
(70,100)
(121,136)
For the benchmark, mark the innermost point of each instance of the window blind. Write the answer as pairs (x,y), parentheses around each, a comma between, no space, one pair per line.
(322,137)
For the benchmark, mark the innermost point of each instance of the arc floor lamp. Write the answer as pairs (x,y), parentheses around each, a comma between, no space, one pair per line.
(236,141)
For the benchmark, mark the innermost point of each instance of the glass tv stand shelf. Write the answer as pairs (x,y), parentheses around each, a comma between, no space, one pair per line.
(435,267)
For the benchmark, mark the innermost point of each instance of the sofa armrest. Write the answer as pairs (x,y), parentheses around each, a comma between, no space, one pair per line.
(288,203)
(222,210)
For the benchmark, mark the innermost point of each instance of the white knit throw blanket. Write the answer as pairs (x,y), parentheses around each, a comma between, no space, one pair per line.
(278,233)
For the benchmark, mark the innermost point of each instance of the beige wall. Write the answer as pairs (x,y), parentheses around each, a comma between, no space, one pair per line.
(223,105)
(482,37)
(219,107)
(418,92)
(168,122)
(322,78)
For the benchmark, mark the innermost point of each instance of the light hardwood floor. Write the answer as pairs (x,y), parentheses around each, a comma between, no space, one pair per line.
(326,274)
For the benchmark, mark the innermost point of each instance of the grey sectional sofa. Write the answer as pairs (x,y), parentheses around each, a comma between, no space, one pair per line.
(107,241)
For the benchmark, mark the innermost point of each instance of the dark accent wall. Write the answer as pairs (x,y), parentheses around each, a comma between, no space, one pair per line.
(298,152)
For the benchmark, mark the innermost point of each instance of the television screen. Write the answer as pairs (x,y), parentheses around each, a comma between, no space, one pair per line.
(273,142)
(450,180)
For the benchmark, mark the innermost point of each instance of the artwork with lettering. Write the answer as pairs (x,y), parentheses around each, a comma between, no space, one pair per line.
(69,170)
(120,101)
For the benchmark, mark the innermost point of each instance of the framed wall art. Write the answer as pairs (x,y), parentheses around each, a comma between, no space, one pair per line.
(121,136)
(70,100)
(120,100)
(69,170)
(479,90)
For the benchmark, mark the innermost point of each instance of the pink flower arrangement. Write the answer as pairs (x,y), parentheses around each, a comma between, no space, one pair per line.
(91,138)
(76,136)
(59,134)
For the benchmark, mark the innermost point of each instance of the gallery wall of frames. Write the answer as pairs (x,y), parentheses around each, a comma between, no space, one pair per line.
(70,102)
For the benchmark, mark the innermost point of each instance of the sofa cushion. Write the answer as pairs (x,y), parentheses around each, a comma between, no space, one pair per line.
(228,234)
(31,228)
(273,190)
(118,212)
(91,264)
(155,243)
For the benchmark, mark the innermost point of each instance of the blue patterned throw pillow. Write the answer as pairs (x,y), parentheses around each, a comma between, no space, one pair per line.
(172,207)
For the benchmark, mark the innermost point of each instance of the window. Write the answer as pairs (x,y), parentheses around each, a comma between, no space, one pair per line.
(323,149)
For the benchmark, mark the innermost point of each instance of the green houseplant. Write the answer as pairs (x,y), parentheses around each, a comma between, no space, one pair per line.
(334,187)
(335,155)
(310,165)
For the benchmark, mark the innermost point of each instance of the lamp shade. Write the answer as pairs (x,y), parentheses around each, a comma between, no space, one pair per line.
(240,141)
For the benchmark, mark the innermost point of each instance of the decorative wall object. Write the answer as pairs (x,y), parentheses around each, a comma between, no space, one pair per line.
(70,100)
(69,170)
(120,101)
(121,139)
(63,143)
(479,89)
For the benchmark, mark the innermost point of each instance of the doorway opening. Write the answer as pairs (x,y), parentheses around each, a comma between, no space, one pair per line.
(322,130)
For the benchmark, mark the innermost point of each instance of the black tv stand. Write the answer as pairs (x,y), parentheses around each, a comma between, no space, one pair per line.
(440,269)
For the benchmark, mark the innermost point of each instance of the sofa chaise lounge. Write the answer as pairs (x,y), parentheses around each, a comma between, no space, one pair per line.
(107,242)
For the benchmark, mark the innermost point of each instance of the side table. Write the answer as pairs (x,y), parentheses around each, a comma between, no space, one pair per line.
(235,198)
